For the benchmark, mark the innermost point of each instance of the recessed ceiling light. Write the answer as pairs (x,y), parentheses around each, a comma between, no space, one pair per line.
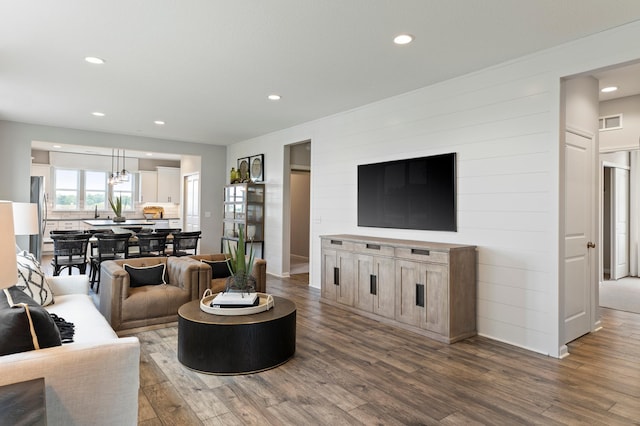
(403,39)
(274,97)
(94,60)
(149,154)
(57,146)
(159,122)
(609,89)
(98,114)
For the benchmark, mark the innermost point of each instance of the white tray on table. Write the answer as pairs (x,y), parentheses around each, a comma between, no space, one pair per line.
(266,303)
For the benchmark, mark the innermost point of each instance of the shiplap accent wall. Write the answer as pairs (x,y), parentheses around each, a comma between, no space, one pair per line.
(504,124)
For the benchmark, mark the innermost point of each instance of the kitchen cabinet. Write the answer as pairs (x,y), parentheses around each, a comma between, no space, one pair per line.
(338,283)
(425,287)
(42,170)
(168,185)
(148,188)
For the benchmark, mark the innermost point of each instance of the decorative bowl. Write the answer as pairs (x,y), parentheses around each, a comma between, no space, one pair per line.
(149,215)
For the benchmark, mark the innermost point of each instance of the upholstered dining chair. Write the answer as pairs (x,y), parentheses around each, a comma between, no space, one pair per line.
(69,251)
(109,246)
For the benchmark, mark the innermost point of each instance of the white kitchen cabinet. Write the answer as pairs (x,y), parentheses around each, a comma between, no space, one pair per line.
(42,170)
(168,185)
(148,192)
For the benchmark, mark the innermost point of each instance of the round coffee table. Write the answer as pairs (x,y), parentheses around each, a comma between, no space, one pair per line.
(240,344)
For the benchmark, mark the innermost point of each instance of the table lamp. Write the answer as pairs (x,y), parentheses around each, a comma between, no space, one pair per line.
(25,218)
(8,260)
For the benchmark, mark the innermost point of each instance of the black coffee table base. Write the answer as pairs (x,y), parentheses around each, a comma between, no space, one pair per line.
(236,344)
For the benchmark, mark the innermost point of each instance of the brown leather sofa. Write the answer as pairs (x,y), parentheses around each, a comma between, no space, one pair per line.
(130,307)
(217,285)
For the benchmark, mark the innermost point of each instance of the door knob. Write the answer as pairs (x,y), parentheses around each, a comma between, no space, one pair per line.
(591,245)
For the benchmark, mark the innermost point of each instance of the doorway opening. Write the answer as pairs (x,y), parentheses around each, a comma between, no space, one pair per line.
(619,284)
(299,214)
(619,169)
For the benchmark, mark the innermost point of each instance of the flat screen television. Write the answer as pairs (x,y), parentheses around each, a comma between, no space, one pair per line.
(415,193)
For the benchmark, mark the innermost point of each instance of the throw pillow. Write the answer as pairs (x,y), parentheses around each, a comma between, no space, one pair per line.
(24,324)
(145,275)
(31,279)
(219,268)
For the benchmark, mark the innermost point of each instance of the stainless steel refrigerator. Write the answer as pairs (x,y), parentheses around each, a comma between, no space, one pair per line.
(39,197)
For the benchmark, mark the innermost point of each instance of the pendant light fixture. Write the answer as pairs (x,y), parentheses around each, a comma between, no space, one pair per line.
(124,174)
(117,176)
(112,176)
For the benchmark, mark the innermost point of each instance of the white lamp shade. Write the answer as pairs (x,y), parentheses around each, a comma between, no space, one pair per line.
(25,218)
(8,261)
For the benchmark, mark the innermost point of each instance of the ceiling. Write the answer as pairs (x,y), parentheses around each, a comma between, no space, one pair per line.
(205,67)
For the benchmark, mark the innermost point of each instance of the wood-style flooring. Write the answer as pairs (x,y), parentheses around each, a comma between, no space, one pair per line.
(350,370)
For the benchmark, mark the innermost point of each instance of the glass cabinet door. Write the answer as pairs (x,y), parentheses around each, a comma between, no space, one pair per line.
(244,206)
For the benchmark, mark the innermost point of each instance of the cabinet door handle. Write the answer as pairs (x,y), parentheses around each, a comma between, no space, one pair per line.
(422,252)
(336,242)
(373,284)
(373,246)
(336,276)
(420,295)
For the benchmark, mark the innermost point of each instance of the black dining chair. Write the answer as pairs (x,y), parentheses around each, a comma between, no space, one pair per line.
(109,246)
(69,251)
(152,244)
(184,242)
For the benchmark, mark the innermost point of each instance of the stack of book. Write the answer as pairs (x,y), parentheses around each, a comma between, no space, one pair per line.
(235,300)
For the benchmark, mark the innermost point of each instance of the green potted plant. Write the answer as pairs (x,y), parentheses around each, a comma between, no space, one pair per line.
(240,266)
(116,206)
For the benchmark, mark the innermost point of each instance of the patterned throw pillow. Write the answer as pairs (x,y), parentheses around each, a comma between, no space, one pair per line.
(31,279)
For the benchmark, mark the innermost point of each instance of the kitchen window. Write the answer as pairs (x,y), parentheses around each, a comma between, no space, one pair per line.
(76,190)
(125,190)
(95,190)
(67,189)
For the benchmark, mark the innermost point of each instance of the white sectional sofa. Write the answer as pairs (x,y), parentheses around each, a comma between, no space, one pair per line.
(92,381)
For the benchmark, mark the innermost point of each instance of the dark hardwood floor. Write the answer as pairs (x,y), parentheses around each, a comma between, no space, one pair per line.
(352,370)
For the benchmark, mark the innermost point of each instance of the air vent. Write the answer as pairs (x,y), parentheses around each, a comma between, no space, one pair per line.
(610,122)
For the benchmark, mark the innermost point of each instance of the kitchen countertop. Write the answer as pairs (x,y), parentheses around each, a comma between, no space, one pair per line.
(84,219)
(110,222)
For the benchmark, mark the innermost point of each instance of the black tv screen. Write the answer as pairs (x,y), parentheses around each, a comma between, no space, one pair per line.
(416,193)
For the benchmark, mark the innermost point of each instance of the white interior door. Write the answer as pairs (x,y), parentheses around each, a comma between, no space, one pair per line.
(192,202)
(619,223)
(578,232)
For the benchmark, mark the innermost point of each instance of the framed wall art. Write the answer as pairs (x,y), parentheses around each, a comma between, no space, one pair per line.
(243,169)
(256,168)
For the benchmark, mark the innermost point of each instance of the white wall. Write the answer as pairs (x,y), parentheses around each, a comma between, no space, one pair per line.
(627,138)
(504,124)
(300,202)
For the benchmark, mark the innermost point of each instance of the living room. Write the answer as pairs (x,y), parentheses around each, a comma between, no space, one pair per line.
(502,120)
